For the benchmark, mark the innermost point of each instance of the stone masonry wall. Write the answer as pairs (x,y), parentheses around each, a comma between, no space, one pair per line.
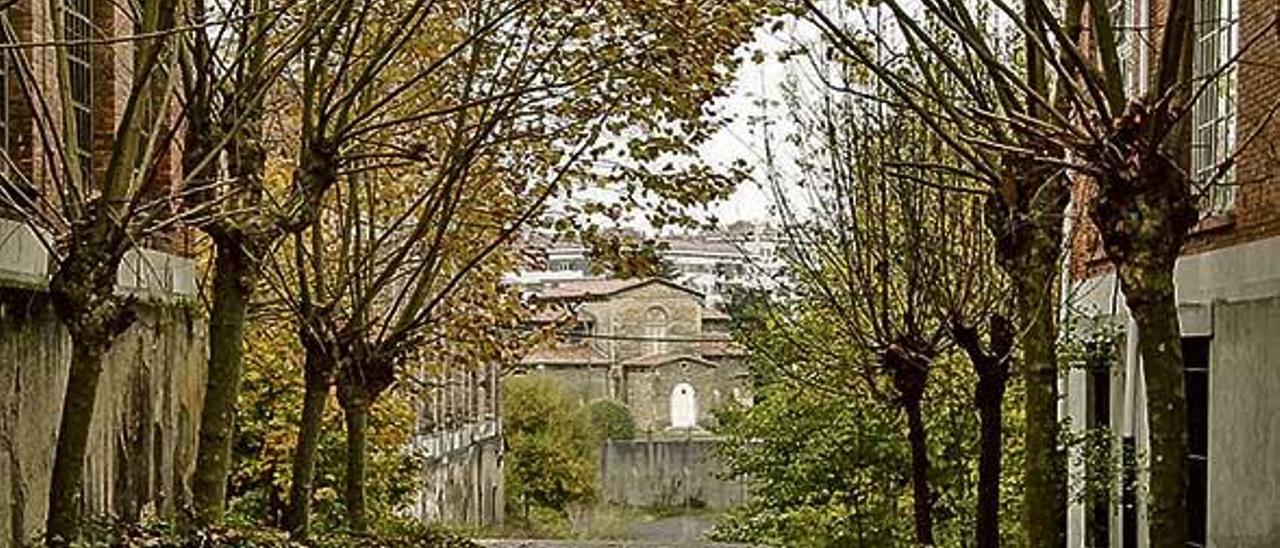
(143,440)
(667,473)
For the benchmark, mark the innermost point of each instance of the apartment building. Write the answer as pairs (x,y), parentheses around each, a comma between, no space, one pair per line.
(715,263)
(1228,294)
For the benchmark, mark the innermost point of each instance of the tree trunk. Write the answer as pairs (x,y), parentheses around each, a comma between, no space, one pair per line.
(233,282)
(989,397)
(1044,473)
(992,367)
(315,395)
(356,411)
(1143,222)
(910,374)
(65,494)
(922,505)
(1025,219)
(1149,294)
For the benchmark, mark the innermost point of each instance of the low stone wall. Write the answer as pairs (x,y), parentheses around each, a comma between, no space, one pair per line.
(462,479)
(667,472)
(142,441)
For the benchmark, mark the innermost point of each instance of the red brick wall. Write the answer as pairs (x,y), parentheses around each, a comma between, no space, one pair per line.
(1256,214)
(113,65)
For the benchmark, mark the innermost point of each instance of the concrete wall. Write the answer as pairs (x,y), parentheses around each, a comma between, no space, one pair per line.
(462,480)
(143,438)
(666,472)
(1244,431)
(1231,295)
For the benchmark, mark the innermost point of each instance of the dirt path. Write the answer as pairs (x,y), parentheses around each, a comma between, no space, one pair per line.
(672,532)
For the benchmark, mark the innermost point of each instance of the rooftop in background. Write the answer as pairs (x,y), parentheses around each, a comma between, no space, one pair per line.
(711,263)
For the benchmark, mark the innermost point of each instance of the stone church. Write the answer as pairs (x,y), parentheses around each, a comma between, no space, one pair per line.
(649,343)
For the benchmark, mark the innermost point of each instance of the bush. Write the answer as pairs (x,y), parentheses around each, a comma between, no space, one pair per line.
(610,420)
(154,533)
(550,460)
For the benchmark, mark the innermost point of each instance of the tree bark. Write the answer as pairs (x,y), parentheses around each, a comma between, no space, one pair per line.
(1143,222)
(356,411)
(990,400)
(1149,294)
(1044,473)
(992,367)
(233,283)
(910,375)
(315,395)
(65,495)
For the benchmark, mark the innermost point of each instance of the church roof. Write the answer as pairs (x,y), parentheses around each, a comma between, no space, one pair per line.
(653,360)
(565,354)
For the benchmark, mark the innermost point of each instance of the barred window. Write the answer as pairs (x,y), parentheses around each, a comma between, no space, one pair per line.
(4,92)
(80,64)
(1213,116)
(1123,27)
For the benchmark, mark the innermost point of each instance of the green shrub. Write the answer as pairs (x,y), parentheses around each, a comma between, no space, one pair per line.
(610,420)
(154,533)
(550,461)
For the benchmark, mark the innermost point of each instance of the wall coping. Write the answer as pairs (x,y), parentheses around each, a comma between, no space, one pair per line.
(144,273)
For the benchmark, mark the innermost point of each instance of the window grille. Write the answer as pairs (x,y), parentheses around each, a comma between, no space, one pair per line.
(1213,115)
(1122,26)
(80,64)
(4,104)
(1196,356)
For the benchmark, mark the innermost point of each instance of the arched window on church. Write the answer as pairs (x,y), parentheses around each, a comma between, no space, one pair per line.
(655,330)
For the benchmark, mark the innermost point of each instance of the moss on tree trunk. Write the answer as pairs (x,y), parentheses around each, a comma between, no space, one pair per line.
(1150,297)
(356,412)
(1044,473)
(315,395)
(232,288)
(65,495)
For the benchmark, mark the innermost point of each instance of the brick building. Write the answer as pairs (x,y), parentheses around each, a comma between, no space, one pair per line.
(1228,293)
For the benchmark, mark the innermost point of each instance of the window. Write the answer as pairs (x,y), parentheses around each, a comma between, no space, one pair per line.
(583,328)
(79,61)
(1122,16)
(655,330)
(1195,356)
(1098,393)
(1213,115)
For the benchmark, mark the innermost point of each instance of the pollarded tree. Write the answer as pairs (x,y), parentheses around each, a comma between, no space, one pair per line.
(887,251)
(99,201)
(509,108)
(1124,134)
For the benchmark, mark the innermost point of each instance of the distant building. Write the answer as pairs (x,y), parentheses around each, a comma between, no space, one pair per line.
(459,433)
(743,255)
(651,344)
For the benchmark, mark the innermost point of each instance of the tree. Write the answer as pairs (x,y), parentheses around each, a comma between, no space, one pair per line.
(500,119)
(1028,145)
(101,202)
(550,457)
(887,252)
(823,455)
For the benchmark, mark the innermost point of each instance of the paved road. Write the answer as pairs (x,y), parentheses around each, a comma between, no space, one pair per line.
(673,532)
